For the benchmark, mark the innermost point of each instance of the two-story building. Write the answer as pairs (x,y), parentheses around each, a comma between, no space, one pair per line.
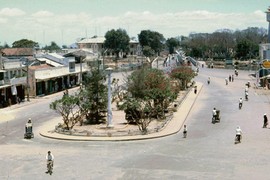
(97,46)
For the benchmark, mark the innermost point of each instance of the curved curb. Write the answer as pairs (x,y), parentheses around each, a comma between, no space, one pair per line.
(173,126)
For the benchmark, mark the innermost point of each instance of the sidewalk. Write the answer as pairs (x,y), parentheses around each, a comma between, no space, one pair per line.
(172,127)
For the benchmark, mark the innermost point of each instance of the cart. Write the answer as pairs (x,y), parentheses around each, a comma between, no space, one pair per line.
(28,133)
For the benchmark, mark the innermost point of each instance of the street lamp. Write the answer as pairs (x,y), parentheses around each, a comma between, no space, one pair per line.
(103,61)
(27,79)
(109,113)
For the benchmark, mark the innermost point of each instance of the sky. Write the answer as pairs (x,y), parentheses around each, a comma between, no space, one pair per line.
(66,21)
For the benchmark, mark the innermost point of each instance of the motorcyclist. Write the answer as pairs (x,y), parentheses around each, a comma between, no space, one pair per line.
(265,120)
(236,72)
(246,95)
(28,126)
(246,88)
(238,134)
(185,131)
(240,102)
(50,160)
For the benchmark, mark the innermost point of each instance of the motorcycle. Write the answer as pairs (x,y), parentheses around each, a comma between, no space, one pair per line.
(237,139)
(50,167)
(240,105)
(246,97)
(28,133)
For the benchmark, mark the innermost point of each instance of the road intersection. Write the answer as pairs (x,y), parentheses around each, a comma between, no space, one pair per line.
(208,152)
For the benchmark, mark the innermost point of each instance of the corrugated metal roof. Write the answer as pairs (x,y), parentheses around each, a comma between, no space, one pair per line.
(98,40)
(50,62)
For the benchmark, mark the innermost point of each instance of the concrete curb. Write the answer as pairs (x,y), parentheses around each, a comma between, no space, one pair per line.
(173,127)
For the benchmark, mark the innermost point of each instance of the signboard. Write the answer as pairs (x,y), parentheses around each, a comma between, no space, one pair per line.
(266,64)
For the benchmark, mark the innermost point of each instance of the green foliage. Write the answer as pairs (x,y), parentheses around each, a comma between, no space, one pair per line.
(25,43)
(117,41)
(93,99)
(52,47)
(140,112)
(172,43)
(148,51)
(68,108)
(184,74)
(150,84)
(152,39)
(149,93)
(225,43)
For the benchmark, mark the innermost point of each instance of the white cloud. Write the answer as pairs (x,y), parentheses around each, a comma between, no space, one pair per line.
(11,12)
(44,26)
(41,14)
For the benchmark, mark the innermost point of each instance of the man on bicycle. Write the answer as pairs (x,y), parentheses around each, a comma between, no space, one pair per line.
(50,159)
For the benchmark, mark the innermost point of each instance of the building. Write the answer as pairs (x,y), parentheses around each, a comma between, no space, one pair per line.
(38,75)
(97,46)
(263,74)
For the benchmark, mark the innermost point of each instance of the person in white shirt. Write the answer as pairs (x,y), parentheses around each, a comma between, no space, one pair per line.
(214,114)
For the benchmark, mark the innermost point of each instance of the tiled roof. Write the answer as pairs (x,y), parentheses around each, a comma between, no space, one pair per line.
(18,52)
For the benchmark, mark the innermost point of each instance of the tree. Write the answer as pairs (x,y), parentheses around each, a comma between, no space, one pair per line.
(68,108)
(184,74)
(152,89)
(140,112)
(52,47)
(93,98)
(152,43)
(152,39)
(172,43)
(117,41)
(25,43)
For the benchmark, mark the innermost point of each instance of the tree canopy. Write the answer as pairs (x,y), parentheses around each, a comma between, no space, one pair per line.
(52,47)
(117,41)
(151,39)
(25,43)
(184,74)
(172,43)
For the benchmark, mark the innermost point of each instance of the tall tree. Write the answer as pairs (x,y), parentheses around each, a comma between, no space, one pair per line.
(25,43)
(172,43)
(117,41)
(151,39)
(93,98)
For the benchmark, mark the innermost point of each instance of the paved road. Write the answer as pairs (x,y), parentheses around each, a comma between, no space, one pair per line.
(208,152)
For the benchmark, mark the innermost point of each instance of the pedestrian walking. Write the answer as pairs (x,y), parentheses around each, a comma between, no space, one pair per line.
(226,81)
(265,120)
(185,131)
(230,78)
(195,89)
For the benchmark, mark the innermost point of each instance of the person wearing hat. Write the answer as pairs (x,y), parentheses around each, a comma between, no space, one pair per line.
(265,120)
